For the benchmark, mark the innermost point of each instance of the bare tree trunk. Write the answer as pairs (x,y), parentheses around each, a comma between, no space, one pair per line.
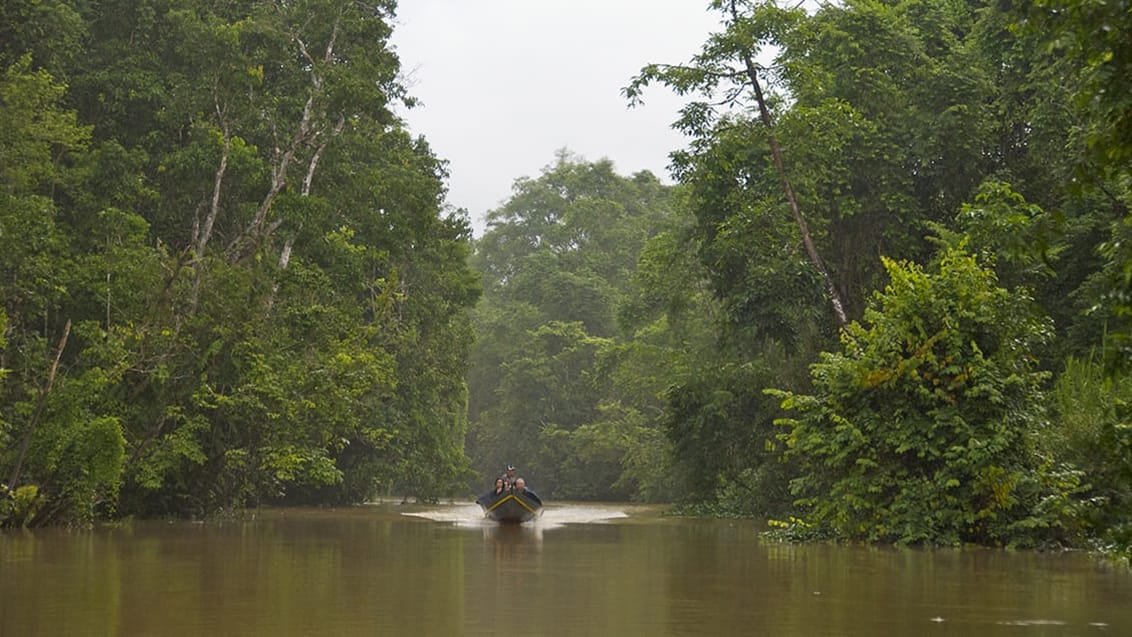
(202,234)
(308,129)
(40,403)
(289,244)
(787,188)
(214,204)
(308,177)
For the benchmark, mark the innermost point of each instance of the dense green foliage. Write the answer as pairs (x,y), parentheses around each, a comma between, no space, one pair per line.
(981,141)
(906,126)
(226,274)
(888,299)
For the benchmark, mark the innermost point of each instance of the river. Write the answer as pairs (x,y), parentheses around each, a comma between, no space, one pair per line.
(388,569)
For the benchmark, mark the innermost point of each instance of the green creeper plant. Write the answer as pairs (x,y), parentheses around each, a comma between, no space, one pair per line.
(1092,414)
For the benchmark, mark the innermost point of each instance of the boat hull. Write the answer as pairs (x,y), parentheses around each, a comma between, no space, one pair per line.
(510,507)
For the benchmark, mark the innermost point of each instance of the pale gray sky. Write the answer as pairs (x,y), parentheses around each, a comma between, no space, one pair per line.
(506,83)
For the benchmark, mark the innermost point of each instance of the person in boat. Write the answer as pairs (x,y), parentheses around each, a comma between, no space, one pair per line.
(508,478)
(521,487)
(499,489)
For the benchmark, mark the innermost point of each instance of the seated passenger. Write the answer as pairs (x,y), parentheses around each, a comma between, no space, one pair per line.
(499,489)
(521,487)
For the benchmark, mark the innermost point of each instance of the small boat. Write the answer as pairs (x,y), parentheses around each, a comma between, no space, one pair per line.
(511,506)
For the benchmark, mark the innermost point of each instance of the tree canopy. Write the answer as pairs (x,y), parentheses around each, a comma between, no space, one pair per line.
(228,282)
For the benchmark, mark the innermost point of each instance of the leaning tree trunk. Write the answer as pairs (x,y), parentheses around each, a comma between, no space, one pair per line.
(40,403)
(780,166)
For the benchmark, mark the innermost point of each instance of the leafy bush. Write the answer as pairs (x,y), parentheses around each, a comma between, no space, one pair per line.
(921,430)
(19,506)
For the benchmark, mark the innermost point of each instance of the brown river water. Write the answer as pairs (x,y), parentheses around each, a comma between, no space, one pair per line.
(387,569)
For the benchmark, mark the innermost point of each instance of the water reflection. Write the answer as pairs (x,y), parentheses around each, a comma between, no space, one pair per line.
(529,534)
(579,570)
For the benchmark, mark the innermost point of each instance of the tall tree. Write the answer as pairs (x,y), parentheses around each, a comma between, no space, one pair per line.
(728,65)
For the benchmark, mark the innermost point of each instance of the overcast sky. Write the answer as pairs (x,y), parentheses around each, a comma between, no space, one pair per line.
(506,83)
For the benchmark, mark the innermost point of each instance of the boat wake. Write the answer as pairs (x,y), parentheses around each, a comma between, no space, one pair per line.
(553,516)
(580,514)
(455,513)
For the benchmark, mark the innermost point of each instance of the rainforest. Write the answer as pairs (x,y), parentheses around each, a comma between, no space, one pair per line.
(886,295)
